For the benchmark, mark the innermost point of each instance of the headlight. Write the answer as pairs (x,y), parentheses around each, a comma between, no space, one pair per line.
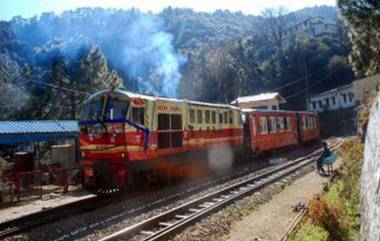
(98,131)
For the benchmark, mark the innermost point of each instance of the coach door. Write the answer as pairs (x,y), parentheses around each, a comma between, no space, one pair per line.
(169,130)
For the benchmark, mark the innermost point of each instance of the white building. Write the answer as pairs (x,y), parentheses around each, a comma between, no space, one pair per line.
(341,97)
(267,101)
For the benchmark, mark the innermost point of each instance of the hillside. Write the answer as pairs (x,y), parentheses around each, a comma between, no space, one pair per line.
(178,52)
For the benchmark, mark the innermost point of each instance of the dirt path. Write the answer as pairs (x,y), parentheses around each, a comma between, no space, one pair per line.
(271,219)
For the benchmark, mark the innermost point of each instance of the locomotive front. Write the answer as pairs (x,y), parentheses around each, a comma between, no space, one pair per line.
(102,140)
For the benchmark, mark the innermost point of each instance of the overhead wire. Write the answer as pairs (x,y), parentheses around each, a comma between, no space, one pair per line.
(313,85)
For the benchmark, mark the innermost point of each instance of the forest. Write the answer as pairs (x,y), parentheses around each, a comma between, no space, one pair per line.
(49,64)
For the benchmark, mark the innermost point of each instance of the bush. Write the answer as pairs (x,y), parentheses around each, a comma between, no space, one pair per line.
(310,232)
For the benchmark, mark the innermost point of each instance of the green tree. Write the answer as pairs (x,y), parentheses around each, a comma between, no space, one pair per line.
(363,19)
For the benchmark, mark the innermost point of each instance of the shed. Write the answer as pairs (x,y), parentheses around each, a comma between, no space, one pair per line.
(267,101)
(13,132)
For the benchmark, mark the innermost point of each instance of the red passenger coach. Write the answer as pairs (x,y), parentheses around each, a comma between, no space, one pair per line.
(269,130)
(308,123)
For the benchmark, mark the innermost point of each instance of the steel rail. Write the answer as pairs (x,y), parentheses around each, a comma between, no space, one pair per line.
(172,221)
(23,223)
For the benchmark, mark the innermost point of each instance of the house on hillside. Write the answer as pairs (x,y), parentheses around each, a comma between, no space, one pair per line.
(314,26)
(266,101)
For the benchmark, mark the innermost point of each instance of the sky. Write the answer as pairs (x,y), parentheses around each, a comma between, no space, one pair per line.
(30,8)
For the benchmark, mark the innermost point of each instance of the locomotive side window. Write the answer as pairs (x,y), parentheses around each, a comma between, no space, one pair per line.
(263,125)
(138,115)
(226,117)
(213,117)
(199,116)
(207,112)
(288,123)
(231,117)
(220,118)
(303,123)
(273,124)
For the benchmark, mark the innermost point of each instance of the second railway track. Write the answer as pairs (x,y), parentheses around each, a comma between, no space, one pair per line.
(171,222)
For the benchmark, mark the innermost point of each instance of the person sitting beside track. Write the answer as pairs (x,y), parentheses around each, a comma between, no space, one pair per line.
(322,160)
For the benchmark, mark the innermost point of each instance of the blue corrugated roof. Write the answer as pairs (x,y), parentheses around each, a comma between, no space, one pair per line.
(48,126)
(26,131)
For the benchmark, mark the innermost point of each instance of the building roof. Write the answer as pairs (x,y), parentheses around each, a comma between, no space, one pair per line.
(37,130)
(260,97)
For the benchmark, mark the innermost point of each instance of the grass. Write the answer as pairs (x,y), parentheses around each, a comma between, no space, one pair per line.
(334,215)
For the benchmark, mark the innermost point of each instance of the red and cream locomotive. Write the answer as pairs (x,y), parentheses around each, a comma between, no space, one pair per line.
(122,133)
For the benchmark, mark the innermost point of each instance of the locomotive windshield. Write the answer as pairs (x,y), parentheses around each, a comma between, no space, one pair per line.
(93,110)
(115,109)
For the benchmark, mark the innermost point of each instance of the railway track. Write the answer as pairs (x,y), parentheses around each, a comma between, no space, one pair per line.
(168,223)
(28,221)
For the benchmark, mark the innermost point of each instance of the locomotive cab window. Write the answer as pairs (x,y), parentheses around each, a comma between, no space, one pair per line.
(138,115)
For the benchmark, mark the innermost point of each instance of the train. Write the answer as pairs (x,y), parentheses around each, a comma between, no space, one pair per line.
(123,134)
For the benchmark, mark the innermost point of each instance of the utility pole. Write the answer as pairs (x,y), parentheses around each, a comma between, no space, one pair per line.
(307,85)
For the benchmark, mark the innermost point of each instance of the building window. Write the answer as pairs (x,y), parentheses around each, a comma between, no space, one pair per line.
(333,100)
(200,116)
(274,107)
(192,116)
(327,102)
(350,96)
(207,114)
(344,98)
(263,125)
(314,105)
(320,103)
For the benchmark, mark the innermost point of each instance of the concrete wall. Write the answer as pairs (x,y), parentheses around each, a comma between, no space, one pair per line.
(340,122)
(370,180)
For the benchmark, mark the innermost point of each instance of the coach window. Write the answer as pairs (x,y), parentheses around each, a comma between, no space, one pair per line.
(199,116)
(213,117)
(231,117)
(263,125)
(281,123)
(273,124)
(207,112)
(192,116)
(138,115)
(303,123)
(225,117)
(289,123)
